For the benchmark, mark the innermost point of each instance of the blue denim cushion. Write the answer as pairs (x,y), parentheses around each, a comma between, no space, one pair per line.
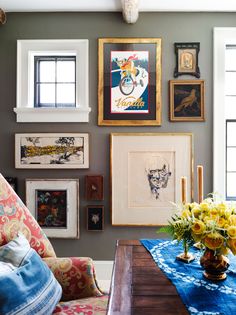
(28,287)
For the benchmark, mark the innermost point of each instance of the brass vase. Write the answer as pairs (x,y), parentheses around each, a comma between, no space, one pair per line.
(214,265)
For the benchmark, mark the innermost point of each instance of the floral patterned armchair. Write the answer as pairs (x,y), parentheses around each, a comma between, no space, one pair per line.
(81,294)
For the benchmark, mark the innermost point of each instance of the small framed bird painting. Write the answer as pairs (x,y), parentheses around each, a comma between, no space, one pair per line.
(186,100)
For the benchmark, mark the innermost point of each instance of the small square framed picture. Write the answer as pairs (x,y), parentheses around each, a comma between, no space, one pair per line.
(187,59)
(95,218)
(13,182)
(187,100)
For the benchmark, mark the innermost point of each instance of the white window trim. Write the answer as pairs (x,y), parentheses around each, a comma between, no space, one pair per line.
(25,110)
(223,36)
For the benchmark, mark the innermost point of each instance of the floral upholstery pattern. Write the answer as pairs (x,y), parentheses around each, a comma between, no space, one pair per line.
(89,306)
(15,217)
(81,294)
(76,276)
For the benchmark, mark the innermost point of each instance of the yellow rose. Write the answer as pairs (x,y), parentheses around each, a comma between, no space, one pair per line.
(213,240)
(198,227)
(213,212)
(196,212)
(193,205)
(222,222)
(222,208)
(232,245)
(186,213)
(232,219)
(231,230)
(204,206)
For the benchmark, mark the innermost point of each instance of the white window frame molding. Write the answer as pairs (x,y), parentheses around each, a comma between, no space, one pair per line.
(26,50)
(223,36)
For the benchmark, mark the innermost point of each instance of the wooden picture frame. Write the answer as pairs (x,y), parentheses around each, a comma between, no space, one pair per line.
(146,174)
(129,81)
(187,100)
(54,204)
(52,150)
(187,59)
(94,187)
(95,218)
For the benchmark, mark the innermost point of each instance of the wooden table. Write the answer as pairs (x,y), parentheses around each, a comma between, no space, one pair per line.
(138,286)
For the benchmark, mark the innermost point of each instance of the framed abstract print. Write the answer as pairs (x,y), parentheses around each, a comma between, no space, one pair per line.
(52,150)
(187,59)
(146,176)
(187,100)
(129,81)
(54,204)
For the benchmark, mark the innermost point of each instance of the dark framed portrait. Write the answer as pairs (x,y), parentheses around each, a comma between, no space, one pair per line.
(95,218)
(129,86)
(12,181)
(94,187)
(186,100)
(187,59)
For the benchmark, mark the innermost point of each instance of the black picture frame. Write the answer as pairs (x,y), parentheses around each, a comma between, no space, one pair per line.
(12,181)
(187,59)
(95,218)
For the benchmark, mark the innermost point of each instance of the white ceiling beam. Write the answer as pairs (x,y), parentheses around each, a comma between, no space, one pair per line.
(115,5)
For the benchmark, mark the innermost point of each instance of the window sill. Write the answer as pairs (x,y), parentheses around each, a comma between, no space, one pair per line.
(52,114)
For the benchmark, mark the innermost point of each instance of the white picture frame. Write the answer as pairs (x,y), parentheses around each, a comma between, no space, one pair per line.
(54,203)
(52,150)
(146,174)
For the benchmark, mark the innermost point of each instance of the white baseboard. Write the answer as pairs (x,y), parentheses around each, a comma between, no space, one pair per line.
(103,270)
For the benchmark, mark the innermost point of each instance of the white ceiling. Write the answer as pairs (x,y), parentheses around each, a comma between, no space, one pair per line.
(115,5)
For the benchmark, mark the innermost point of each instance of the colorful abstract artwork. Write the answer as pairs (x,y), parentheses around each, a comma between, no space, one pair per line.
(51,208)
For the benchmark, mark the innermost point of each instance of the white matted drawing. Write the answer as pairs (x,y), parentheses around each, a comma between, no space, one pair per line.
(146,170)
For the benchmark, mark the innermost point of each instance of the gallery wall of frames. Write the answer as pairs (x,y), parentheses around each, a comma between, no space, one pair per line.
(91,182)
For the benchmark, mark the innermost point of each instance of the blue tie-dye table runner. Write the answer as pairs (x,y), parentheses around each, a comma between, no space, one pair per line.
(201,296)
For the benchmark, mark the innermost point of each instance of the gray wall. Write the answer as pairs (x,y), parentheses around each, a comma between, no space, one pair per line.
(171,27)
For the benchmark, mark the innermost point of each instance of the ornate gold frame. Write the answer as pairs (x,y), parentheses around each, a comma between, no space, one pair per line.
(112,135)
(105,122)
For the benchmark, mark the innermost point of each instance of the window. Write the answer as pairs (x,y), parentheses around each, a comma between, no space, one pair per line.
(224,180)
(52,81)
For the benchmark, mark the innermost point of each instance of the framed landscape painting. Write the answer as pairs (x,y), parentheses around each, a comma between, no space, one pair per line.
(52,150)
(129,86)
(54,204)
(146,176)
(187,100)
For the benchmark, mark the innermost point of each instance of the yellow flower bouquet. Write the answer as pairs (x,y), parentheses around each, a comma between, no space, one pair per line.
(211,223)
